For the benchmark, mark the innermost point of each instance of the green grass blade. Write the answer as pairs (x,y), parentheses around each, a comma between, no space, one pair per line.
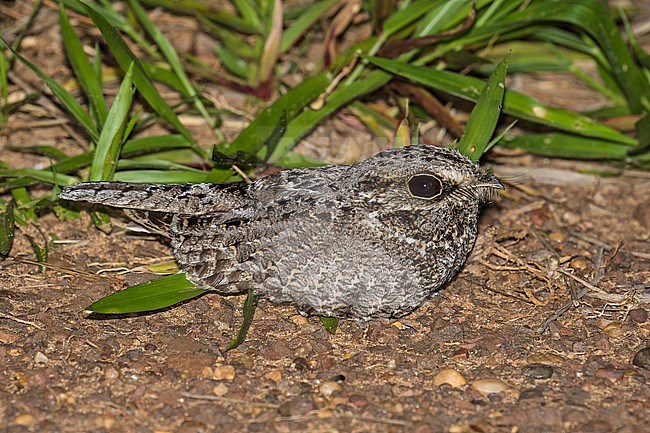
(66,99)
(483,120)
(515,103)
(6,229)
(195,8)
(236,65)
(161,176)
(306,20)
(170,54)
(110,141)
(125,57)
(248,13)
(154,295)
(138,146)
(253,138)
(308,119)
(568,146)
(249,311)
(83,69)
(40,175)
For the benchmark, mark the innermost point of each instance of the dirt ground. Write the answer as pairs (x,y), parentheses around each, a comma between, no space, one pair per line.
(546,328)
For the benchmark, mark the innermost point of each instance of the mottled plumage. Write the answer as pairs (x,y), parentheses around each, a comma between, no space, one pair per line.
(374,239)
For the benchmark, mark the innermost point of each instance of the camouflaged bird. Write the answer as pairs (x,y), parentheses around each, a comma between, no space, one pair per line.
(373,239)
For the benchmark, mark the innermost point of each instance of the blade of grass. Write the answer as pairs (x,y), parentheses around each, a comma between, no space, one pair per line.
(161,176)
(154,295)
(82,68)
(306,20)
(110,141)
(6,229)
(308,119)
(171,56)
(66,99)
(125,57)
(568,146)
(248,13)
(194,7)
(233,63)
(249,311)
(251,140)
(515,103)
(40,175)
(270,52)
(483,120)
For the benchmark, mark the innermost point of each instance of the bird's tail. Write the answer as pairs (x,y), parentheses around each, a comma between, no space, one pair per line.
(182,199)
(153,206)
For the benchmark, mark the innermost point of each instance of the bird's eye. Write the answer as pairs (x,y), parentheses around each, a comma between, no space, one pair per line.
(425,186)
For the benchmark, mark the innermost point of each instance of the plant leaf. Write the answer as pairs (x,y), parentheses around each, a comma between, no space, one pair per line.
(154,295)
(110,141)
(82,68)
(249,311)
(6,229)
(330,323)
(515,103)
(483,120)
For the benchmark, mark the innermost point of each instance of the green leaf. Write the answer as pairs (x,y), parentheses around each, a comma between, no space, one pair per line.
(40,251)
(110,141)
(154,295)
(308,119)
(515,103)
(125,57)
(252,139)
(172,57)
(330,323)
(6,229)
(568,146)
(306,20)
(68,101)
(236,65)
(249,311)
(82,68)
(483,120)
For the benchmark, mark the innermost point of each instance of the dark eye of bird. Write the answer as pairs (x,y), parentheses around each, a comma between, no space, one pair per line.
(425,186)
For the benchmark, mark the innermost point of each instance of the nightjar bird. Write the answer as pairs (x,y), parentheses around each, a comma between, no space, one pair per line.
(373,239)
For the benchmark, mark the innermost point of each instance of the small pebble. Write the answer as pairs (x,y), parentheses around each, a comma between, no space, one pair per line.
(578,263)
(110,373)
(639,315)
(220,390)
(609,373)
(538,371)
(299,320)
(450,377)
(224,372)
(40,358)
(329,388)
(105,422)
(274,375)
(545,358)
(489,386)
(24,420)
(642,358)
